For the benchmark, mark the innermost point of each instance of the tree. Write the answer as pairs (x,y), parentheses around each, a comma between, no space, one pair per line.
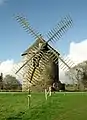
(79,75)
(11,83)
(1,81)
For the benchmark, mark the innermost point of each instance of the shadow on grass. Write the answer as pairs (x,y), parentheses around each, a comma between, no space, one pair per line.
(16,117)
(45,111)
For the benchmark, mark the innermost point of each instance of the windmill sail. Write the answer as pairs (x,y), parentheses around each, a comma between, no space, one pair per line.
(25,24)
(45,52)
(56,33)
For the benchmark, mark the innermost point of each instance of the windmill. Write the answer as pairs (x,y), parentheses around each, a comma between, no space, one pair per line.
(43,53)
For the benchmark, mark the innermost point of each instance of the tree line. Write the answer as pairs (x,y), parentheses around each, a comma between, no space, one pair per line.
(9,83)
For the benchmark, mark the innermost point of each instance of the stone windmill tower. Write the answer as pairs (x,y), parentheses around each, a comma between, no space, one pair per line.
(41,66)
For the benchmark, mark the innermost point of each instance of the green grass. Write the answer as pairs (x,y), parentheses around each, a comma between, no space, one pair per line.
(60,106)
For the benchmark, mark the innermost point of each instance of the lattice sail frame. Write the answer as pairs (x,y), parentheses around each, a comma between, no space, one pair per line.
(54,34)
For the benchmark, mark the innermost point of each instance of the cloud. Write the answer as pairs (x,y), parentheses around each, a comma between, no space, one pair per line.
(6,67)
(78,54)
(10,67)
(78,51)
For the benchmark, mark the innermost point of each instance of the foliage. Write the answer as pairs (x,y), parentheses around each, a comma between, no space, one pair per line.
(11,83)
(78,75)
(1,81)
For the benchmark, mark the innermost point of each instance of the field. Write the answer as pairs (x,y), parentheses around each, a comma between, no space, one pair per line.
(60,106)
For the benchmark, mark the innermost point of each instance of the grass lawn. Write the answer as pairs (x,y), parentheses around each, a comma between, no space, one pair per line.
(60,106)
